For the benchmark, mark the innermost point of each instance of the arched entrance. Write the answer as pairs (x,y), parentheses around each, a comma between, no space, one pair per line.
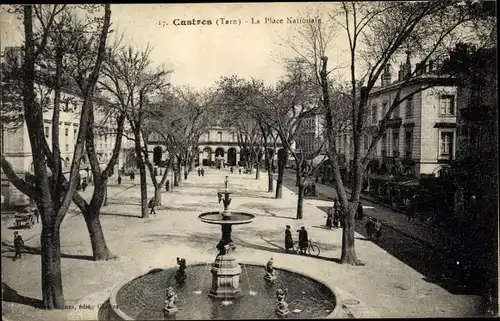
(157,155)
(231,157)
(219,152)
(207,156)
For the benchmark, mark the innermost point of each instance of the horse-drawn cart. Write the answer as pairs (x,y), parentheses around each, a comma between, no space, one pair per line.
(23,219)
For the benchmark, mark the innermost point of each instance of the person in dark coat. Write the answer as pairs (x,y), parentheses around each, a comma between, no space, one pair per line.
(151,205)
(119,180)
(412,209)
(132,176)
(359,212)
(288,239)
(84,185)
(167,185)
(18,243)
(231,170)
(202,172)
(199,171)
(329,218)
(185,175)
(303,240)
(336,216)
(239,170)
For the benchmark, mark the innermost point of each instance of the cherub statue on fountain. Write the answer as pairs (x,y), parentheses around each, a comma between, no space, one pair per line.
(281,306)
(269,276)
(180,275)
(170,307)
(226,203)
(219,196)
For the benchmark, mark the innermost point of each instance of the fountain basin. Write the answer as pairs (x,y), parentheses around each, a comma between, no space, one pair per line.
(142,298)
(235,218)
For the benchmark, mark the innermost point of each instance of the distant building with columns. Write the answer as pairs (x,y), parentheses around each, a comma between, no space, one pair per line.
(220,144)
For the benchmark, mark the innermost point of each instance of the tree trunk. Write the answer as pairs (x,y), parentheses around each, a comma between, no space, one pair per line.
(257,173)
(270,183)
(348,251)
(52,290)
(177,175)
(297,176)
(158,194)
(144,190)
(279,182)
(99,247)
(300,201)
(105,200)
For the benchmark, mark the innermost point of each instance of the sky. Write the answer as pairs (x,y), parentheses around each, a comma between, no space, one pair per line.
(199,55)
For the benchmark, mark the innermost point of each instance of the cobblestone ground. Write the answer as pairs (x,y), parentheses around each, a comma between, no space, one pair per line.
(390,287)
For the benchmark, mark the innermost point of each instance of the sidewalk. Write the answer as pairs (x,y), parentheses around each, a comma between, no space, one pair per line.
(386,286)
(422,233)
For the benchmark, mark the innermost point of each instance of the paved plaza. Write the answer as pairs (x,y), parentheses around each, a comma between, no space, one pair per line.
(385,287)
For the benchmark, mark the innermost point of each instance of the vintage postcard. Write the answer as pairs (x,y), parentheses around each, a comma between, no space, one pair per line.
(300,160)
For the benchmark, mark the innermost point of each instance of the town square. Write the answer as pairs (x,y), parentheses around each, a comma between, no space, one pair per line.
(249,161)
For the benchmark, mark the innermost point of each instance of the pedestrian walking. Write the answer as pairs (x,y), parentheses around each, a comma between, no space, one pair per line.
(336,214)
(329,218)
(303,240)
(132,175)
(359,212)
(231,169)
(199,171)
(151,205)
(288,239)
(202,172)
(84,184)
(239,170)
(18,243)
(185,175)
(412,208)
(167,185)
(119,180)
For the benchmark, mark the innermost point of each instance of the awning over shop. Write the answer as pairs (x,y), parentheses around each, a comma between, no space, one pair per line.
(318,160)
(398,179)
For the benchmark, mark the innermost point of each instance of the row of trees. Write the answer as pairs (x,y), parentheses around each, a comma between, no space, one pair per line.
(67,49)
(68,46)
(378,34)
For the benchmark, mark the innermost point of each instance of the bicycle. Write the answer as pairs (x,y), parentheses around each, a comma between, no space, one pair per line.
(312,249)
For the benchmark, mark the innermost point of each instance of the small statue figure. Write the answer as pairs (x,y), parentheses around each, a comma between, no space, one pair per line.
(219,196)
(269,271)
(171,298)
(281,306)
(180,275)
(226,203)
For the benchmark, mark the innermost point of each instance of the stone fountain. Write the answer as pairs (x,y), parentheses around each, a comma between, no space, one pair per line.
(225,270)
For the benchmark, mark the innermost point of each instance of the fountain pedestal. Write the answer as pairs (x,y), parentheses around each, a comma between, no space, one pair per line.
(225,270)
(225,277)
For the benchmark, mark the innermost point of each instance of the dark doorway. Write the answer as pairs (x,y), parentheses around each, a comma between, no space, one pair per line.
(231,157)
(157,155)
(207,156)
(219,152)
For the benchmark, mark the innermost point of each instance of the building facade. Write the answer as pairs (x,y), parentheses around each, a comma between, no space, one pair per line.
(312,138)
(16,147)
(220,144)
(420,134)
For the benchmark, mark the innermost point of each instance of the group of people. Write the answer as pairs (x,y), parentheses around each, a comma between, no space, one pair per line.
(335,215)
(201,171)
(303,239)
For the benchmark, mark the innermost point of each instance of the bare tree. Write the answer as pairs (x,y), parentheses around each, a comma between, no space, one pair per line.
(377,34)
(130,80)
(47,189)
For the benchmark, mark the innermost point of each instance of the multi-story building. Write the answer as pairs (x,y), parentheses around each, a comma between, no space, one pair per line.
(420,133)
(221,144)
(16,147)
(312,135)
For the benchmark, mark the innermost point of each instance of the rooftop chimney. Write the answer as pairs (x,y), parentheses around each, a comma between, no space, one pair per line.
(386,76)
(407,64)
(401,72)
